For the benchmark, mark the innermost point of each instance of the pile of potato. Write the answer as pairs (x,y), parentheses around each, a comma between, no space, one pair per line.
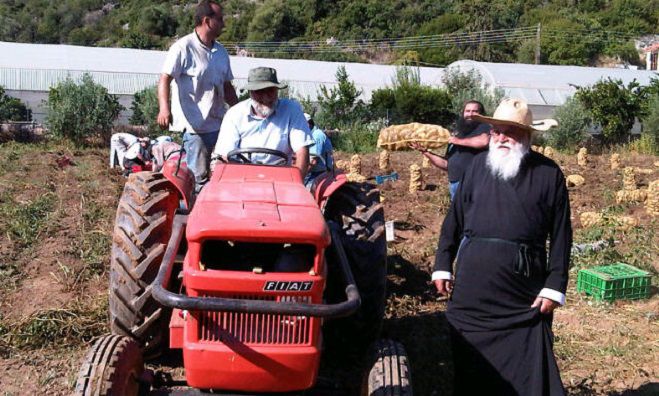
(652,201)
(398,137)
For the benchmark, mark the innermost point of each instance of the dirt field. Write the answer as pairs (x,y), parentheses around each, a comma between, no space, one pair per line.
(56,211)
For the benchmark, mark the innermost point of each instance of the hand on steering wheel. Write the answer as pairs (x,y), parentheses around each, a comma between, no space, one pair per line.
(244,155)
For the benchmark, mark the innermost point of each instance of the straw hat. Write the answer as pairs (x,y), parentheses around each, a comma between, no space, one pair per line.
(515,112)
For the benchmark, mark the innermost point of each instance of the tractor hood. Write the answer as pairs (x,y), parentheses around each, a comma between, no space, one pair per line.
(257,203)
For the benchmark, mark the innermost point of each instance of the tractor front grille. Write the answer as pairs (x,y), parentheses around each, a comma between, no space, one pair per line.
(256,329)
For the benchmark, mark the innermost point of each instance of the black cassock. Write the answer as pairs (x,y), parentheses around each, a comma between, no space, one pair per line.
(498,230)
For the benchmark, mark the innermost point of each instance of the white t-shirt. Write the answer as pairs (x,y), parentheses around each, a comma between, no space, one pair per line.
(199,74)
(285,130)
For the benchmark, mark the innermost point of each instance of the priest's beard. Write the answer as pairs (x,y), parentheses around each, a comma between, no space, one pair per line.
(504,164)
(262,109)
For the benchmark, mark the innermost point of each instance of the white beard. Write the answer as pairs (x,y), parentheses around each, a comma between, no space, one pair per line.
(504,164)
(263,110)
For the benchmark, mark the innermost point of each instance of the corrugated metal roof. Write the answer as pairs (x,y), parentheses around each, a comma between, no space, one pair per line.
(125,71)
(41,80)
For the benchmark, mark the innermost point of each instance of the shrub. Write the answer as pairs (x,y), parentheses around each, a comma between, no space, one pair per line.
(81,111)
(572,129)
(357,138)
(463,86)
(12,109)
(145,109)
(409,101)
(613,106)
(340,106)
(649,141)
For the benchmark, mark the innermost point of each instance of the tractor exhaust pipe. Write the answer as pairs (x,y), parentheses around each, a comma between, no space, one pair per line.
(183,302)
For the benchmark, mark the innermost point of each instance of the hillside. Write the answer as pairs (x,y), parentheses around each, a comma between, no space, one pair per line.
(436,33)
(57,207)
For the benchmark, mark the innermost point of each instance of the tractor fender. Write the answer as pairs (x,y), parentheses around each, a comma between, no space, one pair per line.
(181,177)
(325,185)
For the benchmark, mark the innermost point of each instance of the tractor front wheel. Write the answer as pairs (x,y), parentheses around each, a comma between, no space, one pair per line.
(389,374)
(113,366)
(142,229)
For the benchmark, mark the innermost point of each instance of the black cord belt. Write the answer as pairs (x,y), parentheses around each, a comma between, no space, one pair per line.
(522,265)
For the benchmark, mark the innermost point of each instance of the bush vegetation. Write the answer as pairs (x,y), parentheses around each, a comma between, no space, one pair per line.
(614,107)
(12,109)
(462,86)
(145,109)
(81,112)
(410,101)
(573,125)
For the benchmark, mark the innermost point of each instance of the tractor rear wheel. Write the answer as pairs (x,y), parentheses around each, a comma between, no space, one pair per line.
(142,229)
(113,366)
(389,374)
(357,209)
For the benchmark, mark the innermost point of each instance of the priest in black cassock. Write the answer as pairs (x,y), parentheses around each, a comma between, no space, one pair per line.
(504,288)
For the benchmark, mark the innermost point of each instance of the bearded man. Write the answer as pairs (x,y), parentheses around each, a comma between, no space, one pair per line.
(509,203)
(470,138)
(265,121)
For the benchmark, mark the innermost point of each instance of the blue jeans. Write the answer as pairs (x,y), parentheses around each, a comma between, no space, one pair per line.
(452,188)
(198,149)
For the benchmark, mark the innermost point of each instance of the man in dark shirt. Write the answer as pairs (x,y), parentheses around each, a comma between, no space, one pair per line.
(509,203)
(470,139)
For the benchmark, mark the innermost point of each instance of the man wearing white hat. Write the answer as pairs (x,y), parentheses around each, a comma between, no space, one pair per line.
(508,204)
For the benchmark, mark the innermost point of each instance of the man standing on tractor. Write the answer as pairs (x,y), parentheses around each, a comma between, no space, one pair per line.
(200,67)
(265,121)
(471,137)
(509,203)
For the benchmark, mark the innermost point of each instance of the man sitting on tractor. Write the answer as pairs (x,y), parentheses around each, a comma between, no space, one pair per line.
(266,122)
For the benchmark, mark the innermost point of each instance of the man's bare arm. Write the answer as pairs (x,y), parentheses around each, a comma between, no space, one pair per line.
(302,160)
(438,161)
(165,113)
(230,93)
(477,142)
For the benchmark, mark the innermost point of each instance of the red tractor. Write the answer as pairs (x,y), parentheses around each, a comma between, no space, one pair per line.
(252,282)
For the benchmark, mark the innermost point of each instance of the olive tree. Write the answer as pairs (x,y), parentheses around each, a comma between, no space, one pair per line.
(79,111)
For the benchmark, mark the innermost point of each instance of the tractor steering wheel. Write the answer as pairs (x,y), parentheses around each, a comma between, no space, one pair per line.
(237,156)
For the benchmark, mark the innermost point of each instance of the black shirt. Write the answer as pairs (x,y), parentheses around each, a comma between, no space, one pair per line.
(459,157)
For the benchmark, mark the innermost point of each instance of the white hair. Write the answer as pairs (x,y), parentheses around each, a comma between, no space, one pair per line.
(505,164)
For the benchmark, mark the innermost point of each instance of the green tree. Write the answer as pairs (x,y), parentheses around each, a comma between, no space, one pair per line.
(158,20)
(469,85)
(487,15)
(613,106)
(81,111)
(145,109)
(573,124)
(651,124)
(443,24)
(278,20)
(340,105)
(12,109)
(410,101)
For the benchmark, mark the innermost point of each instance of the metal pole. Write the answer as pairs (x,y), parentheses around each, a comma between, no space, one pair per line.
(537,45)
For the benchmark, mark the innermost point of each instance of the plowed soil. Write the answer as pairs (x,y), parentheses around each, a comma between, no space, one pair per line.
(54,288)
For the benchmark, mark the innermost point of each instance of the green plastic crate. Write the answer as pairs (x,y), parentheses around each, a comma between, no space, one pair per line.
(614,282)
